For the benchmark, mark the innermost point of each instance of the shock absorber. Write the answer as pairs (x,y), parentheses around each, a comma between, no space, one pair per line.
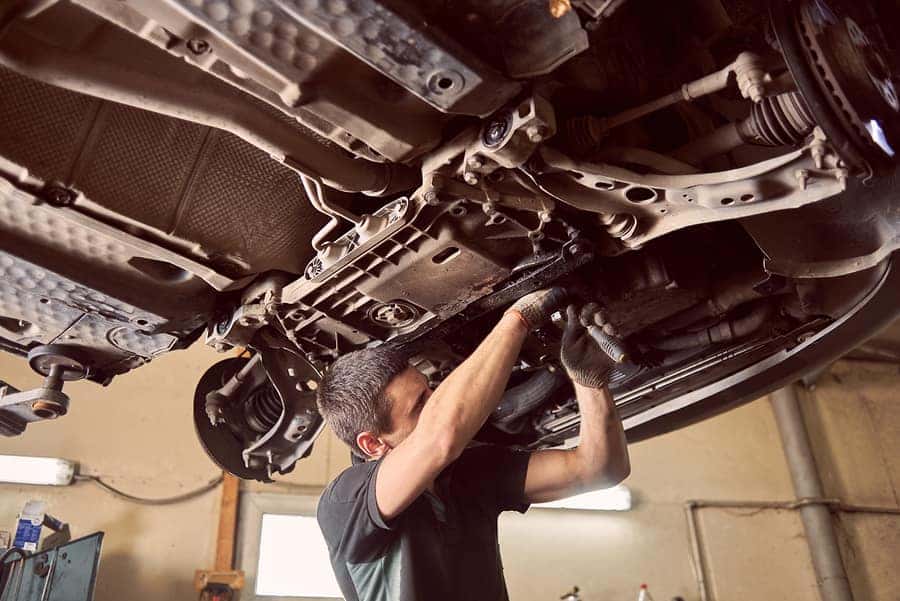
(263,408)
(619,225)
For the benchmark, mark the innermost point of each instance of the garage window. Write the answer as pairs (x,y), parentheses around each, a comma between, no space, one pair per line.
(282,551)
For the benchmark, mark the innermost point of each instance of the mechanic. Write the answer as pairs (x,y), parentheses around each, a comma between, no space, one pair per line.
(418,518)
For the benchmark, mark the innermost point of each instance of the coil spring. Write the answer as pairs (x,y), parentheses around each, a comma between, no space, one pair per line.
(263,408)
(778,121)
(619,225)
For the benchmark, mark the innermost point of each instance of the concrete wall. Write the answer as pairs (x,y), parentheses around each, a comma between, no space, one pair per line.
(138,434)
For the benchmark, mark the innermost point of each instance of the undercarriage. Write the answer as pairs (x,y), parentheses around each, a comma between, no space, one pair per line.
(302,178)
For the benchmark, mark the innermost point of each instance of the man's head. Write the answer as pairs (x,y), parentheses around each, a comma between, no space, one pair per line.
(372,399)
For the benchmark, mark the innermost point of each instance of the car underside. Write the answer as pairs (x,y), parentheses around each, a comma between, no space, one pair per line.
(296,179)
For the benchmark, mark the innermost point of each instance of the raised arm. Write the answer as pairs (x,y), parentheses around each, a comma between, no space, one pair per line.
(458,408)
(601,458)
(599,461)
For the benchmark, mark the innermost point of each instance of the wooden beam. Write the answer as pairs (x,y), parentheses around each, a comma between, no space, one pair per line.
(227,523)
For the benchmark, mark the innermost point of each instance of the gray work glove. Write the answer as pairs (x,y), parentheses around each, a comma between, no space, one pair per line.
(536,308)
(580,354)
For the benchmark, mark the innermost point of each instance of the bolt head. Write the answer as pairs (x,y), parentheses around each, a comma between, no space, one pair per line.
(475,162)
(536,133)
(496,131)
(470,178)
(430,197)
(59,196)
(198,46)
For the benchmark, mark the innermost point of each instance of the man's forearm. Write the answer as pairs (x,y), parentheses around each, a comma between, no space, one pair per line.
(599,461)
(466,397)
(449,419)
(602,453)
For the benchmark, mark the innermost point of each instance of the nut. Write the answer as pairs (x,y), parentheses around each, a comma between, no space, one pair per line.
(198,46)
(536,133)
(46,409)
(495,132)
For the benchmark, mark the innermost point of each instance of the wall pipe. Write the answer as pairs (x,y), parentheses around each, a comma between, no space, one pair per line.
(815,509)
(691,507)
(820,536)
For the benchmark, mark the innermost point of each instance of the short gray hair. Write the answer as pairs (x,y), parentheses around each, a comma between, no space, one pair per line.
(351,396)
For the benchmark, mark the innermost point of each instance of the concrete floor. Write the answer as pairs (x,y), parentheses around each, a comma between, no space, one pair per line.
(138,434)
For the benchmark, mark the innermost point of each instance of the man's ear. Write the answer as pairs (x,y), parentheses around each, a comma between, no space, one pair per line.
(372,446)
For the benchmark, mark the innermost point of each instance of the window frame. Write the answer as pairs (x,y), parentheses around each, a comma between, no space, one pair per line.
(253,505)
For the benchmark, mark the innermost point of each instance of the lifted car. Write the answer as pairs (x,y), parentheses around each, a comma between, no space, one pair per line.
(301,178)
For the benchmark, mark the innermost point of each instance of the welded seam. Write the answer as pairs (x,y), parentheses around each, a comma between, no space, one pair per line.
(191,180)
(87,138)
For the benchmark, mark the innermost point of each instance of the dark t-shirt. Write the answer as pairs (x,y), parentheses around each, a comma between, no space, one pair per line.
(443,546)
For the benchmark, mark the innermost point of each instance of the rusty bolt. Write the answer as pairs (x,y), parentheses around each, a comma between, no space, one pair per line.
(46,409)
(558,8)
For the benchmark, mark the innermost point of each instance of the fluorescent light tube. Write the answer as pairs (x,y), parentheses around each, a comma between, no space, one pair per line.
(617,498)
(36,470)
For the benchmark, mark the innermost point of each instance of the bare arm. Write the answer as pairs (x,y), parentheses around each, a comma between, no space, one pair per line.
(452,416)
(599,461)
